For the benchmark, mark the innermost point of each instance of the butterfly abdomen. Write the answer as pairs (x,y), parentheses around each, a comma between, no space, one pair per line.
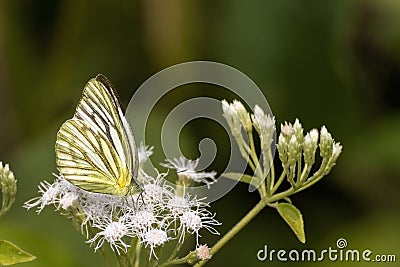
(124,178)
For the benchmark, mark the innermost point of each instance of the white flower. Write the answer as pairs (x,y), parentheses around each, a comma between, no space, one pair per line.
(191,220)
(112,232)
(155,216)
(186,167)
(154,238)
(144,152)
(155,191)
(68,199)
(142,219)
(194,220)
(178,205)
(51,194)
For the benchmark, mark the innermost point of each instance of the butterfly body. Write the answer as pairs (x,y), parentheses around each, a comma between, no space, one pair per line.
(95,150)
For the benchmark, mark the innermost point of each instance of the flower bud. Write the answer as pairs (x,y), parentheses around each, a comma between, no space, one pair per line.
(203,252)
(298,131)
(294,150)
(8,185)
(282,147)
(325,143)
(310,146)
(336,151)
(265,127)
(229,112)
(243,115)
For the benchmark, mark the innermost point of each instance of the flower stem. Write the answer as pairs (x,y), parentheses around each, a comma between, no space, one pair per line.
(176,249)
(178,261)
(239,226)
(136,257)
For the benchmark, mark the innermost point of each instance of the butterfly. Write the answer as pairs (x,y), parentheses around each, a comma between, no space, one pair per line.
(96,150)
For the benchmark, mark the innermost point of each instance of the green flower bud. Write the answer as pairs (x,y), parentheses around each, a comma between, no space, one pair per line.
(229,112)
(265,127)
(336,151)
(287,130)
(244,116)
(8,185)
(310,146)
(282,147)
(298,132)
(294,151)
(325,143)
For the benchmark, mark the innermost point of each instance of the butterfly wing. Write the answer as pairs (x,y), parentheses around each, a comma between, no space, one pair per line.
(95,149)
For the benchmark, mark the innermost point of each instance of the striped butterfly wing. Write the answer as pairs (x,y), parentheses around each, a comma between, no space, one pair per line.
(95,149)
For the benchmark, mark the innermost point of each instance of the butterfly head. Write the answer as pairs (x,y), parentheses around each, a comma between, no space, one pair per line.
(134,189)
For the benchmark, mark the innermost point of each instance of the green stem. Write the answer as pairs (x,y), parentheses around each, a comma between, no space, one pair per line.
(5,205)
(298,171)
(253,156)
(271,172)
(239,226)
(310,182)
(243,147)
(105,257)
(136,262)
(245,152)
(120,261)
(178,261)
(80,217)
(176,249)
(256,166)
(282,195)
(304,174)
(280,180)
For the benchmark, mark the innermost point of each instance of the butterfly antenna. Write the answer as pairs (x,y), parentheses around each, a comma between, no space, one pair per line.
(141,196)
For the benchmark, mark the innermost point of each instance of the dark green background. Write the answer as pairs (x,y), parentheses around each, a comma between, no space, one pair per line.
(326,62)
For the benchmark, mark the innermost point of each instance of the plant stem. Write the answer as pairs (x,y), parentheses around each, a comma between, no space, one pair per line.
(279,182)
(176,249)
(90,231)
(136,259)
(178,261)
(239,226)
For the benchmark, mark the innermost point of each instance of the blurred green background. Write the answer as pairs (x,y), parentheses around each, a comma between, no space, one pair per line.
(325,62)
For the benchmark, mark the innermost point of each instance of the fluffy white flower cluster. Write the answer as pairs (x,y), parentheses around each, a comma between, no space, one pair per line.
(159,214)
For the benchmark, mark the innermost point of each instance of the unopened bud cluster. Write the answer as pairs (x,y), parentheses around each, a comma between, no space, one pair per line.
(296,149)
(8,185)
(238,118)
(293,146)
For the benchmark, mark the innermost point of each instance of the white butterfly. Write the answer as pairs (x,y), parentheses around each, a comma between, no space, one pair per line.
(96,150)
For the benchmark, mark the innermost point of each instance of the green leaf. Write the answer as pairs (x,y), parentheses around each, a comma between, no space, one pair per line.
(293,218)
(11,254)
